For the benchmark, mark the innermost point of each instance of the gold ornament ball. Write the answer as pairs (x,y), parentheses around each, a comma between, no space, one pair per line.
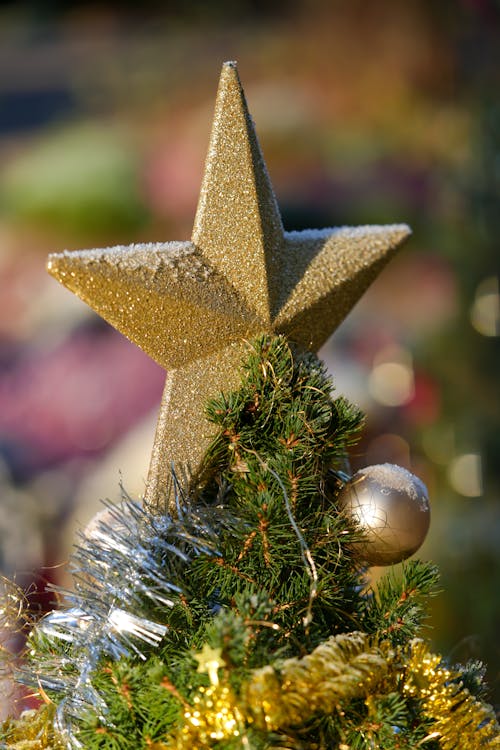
(391,506)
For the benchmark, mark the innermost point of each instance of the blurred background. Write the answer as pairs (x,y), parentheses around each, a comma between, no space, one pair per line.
(367,113)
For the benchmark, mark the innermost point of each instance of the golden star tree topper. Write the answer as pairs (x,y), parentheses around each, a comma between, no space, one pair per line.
(193,306)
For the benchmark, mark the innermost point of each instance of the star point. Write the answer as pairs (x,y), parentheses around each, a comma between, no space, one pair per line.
(192,306)
(238,224)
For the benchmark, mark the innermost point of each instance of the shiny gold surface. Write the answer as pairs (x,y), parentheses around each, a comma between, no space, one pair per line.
(192,305)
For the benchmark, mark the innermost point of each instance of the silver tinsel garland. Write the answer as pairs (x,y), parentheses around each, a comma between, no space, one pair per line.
(126,571)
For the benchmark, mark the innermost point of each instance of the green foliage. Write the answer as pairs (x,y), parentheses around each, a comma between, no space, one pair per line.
(282,413)
(280,435)
(395,609)
(384,721)
(141,701)
(255,584)
(472,676)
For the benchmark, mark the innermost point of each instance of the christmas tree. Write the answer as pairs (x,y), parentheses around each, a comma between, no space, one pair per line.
(231,608)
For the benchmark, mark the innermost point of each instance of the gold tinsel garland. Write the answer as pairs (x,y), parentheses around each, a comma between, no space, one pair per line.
(34,730)
(460,720)
(343,668)
(215,716)
(276,698)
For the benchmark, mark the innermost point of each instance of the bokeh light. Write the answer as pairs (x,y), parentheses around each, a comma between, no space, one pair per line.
(366,113)
(485,311)
(466,476)
(391,380)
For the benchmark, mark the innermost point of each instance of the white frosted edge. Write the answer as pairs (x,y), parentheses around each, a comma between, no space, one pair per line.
(174,248)
(368,229)
(396,478)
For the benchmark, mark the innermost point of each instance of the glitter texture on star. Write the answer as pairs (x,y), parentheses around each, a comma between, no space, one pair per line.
(193,306)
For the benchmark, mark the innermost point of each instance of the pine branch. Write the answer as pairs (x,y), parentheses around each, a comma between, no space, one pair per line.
(131,589)
(283,406)
(279,436)
(236,623)
(396,609)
